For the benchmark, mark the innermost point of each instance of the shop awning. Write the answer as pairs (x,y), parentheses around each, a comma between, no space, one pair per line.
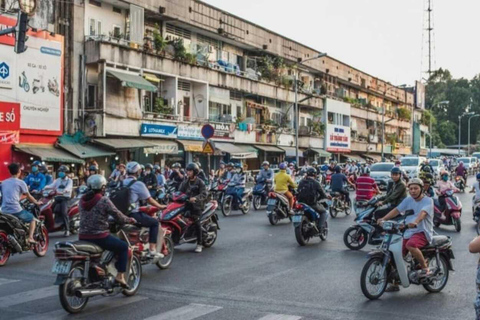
(269,149)
(48,153)
(119,144)
(291,152)
(152,78)
(192,145)
(161,146)
(132,80)
(374,157)
(355,157)
(322,153)
(237,151)
(84,151)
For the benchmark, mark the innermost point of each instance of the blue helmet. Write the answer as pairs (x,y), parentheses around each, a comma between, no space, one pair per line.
(396,170)
(238,166)
(36,163)
(282,166)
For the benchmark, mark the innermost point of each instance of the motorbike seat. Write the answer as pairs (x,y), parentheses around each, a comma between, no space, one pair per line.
(72,202)
(86,246)
(438,241)
(247,190)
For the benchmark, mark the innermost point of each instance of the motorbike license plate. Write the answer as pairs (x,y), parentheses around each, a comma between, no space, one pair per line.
(61,267)
(271,202)
(297,219)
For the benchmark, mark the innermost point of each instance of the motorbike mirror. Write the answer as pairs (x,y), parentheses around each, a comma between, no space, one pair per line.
(409,213)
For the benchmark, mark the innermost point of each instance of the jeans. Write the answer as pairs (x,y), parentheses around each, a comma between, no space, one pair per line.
(323,214)
(149,222)
(119,247)
(236,193)
(61,208)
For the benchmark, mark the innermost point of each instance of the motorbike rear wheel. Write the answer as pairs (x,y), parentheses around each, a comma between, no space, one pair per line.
(371,277)
(273,218)
(166,261)
(66,291)
(207,243)
(458,224)
(324,234)
(41,247)
(134,277)
(5,250)
(355,238)
(227,205)
(246,206)
(441,278)
(332,209)
(257,202)
(300,231)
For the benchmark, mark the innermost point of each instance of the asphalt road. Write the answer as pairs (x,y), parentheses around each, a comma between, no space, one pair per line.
(254,271)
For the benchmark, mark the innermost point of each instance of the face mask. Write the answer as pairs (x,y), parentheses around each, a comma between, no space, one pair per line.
(34,169)
(61,175)
(445,178)
(147,171)
(239,170)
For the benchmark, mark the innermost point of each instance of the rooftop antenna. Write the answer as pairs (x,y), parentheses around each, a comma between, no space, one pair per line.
(428,40)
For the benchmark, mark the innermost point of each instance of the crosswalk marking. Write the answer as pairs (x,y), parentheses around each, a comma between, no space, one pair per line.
(27,296)
(190,312)
(7,281)
(279,317)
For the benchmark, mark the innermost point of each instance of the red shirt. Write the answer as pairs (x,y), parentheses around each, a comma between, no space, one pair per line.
(366,187)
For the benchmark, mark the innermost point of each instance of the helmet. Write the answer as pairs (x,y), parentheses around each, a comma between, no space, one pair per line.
(193,167)
(395,170)
(265,163)
(96,182)
(230,164)
(337,169)
(149,166)
(428,178)
(198,164)
(416,181)
(237,166)
(36,163)
(121,165)
(291,164)
(133,167)
(43,169)
(461,162)
(176,165)
(142,166)
(365,171)
(156,167)
(314,163)
(282,166)
(311,172)
(93,168)
(63,169)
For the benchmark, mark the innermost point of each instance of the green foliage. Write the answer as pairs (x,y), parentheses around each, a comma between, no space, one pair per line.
(427,117)
(179,51)
(270,122)
(272,69)
(318,126)
(391,139)
(404,114)
(160,107)
(158,42)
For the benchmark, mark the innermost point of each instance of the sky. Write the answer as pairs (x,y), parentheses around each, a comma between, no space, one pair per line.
(380,37)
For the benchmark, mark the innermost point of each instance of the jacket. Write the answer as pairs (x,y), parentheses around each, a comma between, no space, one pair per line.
(283,181)
(239,179)
(265,174)
(314,187)
(397,191)
(150,180)
(36,181)
(227,175)
(195,189)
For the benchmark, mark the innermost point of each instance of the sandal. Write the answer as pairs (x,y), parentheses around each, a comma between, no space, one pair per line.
(424,273)
(32,241)
(123,284)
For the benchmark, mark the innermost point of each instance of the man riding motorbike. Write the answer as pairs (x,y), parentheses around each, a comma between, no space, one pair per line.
(427,185)
(92,170)
(36,180)
(62,186)
(177,175)
(443,185)
(139,192)
(238,180)
(337,184)
(95,208)
(201,174)
(195,189)
(311,192)
(266,174)
(160,177)
(366,186)
(282,182)
(405,177)
(461,171)
(476,189)
(396,192)
(13,189)
(150,180)
(420,225)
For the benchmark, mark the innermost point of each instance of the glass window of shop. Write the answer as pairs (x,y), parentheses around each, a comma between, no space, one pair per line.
(220,112)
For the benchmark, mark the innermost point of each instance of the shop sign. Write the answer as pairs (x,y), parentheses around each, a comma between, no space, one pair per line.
(158,130)
(9,137)
(9,116)
(189,132)
(168,148)
(223,131)
(338,139)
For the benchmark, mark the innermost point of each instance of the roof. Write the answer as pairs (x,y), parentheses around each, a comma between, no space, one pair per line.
(237,151)
(48,153)
(124,143)
(321,152)
(270,149)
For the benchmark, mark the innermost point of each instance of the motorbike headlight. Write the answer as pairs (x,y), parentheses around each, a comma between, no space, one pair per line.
(388,225)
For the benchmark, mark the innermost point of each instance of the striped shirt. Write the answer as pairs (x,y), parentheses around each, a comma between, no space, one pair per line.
(366,187)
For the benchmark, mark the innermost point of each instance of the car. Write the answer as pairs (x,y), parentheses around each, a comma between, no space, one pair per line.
(437,166)
(380,172)
(411,165)
(467,162)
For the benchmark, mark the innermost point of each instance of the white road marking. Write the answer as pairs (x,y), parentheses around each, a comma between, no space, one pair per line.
(7,281)
(190,312)
(280,317)
(27,296)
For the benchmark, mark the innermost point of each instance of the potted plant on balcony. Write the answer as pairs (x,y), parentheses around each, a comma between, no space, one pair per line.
(159,43)
(161,110)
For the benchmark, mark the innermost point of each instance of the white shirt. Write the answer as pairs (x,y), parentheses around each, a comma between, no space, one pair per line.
(63,185)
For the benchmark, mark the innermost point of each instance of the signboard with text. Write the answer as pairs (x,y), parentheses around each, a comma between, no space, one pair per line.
(158,130)
(223,131)
(9,123)
(189,132)
(337,135)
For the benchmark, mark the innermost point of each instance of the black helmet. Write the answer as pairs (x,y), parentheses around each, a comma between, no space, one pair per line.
(230,164)
(93,168)
(36,163)
(193,167)
(395,170)
(43,169)
(149,166)
(64,169)
(311,172)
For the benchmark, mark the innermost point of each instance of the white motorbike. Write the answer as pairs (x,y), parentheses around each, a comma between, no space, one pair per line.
(387,263)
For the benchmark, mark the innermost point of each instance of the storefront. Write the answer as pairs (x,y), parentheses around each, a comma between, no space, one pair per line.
(291,154)
(315,154)
(272,154)
(246,155)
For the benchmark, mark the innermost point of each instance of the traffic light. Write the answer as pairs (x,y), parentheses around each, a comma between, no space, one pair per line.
(21,32)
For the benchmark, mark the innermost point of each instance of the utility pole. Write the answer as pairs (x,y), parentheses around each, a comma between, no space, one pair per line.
(430,29)
(428,41)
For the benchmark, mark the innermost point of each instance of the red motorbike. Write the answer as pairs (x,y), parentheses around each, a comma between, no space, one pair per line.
(181,228)
(217,190)
(47,211)
(278,207)
(451,214)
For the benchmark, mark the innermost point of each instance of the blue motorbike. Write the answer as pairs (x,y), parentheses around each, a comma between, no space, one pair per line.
(306,223)
(260,194)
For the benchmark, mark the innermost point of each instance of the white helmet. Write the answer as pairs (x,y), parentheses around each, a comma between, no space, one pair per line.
(133,167)
(96,182)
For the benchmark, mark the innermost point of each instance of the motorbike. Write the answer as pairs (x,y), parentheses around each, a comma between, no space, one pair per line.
(181,228)
(138,237)
(23,82)
(306,223)
(459,183)
(278,207)
(365,229)
(53,87)
(339,204)
(85,270)
(217,190)
(451,214)
(14,235)
(352,178)
(476,215)
(37,85)
(260,194)
(229,203)
(387,263)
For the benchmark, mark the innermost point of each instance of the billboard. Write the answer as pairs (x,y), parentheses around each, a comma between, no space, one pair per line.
(419,95)
(337,120)
(34,79)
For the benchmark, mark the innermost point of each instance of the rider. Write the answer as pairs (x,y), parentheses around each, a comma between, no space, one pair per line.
(92,170)
(12,191)
(291,166)
(95,208)
(426,167)
(282,182)
(201,174)
(405,177)
(150,180)
(228,174)
(396,192)
(476,189)
(48,177)
(366,186)
(139,192)
(461,171)
(266,174)
(220,171)
(443,185)
(35,180)
(177,175)
(195,189)
(310,192)
(160,177)
(63,186)
(324,167)
(427,185)
(238,180)
(337,184)
(420,225)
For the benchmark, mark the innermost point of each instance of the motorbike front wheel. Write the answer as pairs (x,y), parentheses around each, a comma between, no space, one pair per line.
(332,209)
(300,232)
(227,205)
(373,281)
(208,242)
(66,291)
(41,247)
(5,250)
(324,234)
(355,238)
(134,277)
(257,202)
(166,261)
(439,281)
(245,208)
(457,224)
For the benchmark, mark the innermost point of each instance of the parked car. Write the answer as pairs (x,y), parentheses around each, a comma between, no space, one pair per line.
(411,165)
(380,172)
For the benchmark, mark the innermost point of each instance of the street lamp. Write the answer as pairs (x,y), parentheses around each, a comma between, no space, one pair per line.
(470,118)
(297,110)
(460,127)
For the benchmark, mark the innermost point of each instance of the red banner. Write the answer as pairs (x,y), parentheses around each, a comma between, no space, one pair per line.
(9,116)
(9,137)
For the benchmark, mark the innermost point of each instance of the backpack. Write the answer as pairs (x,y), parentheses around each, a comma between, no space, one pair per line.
(120,197)
(307,192)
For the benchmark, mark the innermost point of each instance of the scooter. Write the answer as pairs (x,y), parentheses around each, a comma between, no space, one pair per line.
(260,193)
(230,201)
(451,214)
(37,85)
(387,263)
(53,87)
(278,206)
(306,223)
(23,82)
(459,183)
(339,203)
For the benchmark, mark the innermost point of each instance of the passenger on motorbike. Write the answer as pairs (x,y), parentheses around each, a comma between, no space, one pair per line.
(220,171)
(366,186)
(396,192)
(195,189)
(48,177)
(35,181)
(266,174)
(95,208)
(311,192)
(443,185)
(427,185)
(201,174)
(337,184)
(282,182)
(420,225)
(63,187)
(238,180)
(139,192)
(13,189)
(150,180)
(118,175)
(228,174)
(160,177)
(92,170)
(405,177)
(177,175)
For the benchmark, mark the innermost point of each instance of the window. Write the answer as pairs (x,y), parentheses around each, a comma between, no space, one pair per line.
(95,3)
(302,121)
(117,10)
(235,95)
(239,112)
(99,28)
(92,27)
(92,97)
(117,31)
(178,31)
(184,85)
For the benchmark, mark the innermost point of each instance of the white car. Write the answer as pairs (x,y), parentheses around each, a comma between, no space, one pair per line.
(467,162)
(380,172)
(437,166)
(411,165)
